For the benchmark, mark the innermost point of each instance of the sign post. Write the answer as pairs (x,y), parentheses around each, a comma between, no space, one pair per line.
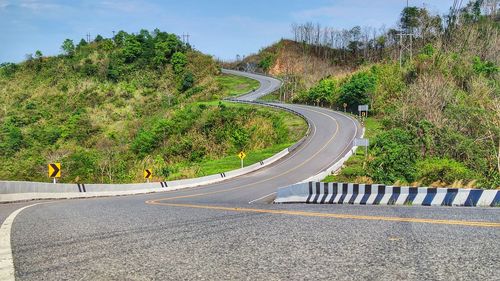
(242,156)
(363,111)
(365,143)
(148,174)
(54,171)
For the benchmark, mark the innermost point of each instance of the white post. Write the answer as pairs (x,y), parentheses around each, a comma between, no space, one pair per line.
(55,180)
(241,162)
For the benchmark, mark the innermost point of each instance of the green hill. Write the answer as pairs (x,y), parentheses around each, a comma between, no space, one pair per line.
(433,121)
(109,108)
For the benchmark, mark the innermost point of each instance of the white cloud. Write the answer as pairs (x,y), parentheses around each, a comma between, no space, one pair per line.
(38,6)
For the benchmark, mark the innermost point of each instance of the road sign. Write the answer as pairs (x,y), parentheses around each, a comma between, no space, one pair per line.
(54,170)
(148,173)
(361,142)
(242,155)
(363,107)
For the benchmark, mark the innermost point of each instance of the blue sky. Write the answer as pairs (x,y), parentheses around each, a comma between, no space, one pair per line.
(222,28)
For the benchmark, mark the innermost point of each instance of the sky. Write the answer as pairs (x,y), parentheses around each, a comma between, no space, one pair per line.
(222,28)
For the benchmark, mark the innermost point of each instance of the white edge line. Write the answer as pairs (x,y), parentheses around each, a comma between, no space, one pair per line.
(262,197)
(7,271)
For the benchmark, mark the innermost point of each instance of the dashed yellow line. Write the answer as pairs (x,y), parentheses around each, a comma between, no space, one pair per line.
(329,215)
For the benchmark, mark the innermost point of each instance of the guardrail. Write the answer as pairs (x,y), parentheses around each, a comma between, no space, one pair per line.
(378,194)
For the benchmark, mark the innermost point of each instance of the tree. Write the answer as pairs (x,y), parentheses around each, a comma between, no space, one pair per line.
(98,38)
(38,54)
(409,19)
(178,61)
(82,43)
(68,47)
(132,48)
(356,91)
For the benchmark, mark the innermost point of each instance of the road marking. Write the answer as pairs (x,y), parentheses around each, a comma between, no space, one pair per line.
(261,197)
(6,262)
(279,175)
(330,215)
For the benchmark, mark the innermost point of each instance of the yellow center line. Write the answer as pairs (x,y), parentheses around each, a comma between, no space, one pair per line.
(330,215)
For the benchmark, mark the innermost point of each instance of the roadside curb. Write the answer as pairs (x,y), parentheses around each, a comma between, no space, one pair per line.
(378,194)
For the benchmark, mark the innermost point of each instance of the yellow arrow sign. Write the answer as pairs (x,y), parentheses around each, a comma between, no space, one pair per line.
(242,155)
(55,170)
(148,173)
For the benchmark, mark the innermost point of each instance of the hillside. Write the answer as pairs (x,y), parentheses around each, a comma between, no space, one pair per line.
(433,121)
(300,64)
(109,108)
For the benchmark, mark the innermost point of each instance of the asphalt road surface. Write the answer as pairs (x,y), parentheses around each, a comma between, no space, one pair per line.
(215,233)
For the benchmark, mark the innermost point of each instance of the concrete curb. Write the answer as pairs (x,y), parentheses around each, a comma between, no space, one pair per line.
(13,191)
(377,194)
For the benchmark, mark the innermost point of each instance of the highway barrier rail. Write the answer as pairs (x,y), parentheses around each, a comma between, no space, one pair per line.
(378,194)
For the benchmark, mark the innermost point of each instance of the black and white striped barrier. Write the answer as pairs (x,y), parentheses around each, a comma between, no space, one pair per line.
(377,194)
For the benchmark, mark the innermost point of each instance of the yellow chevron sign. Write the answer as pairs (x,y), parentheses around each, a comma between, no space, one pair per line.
(148,173)
(54,170)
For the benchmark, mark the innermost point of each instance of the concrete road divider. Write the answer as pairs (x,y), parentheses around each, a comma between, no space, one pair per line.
(11,191)
(377,194)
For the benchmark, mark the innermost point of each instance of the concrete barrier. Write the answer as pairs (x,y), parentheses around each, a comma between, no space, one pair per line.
(11,191)
(377,194)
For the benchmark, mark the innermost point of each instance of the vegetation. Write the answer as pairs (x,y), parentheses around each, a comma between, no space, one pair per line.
(236,85)
(109,108)
(439,113)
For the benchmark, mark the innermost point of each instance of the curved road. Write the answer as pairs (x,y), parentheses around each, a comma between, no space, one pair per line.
(213,232)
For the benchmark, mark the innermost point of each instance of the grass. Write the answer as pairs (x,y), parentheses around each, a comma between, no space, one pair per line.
(233,85)
(232,162)
(274,96)
(297,128)
(354,170)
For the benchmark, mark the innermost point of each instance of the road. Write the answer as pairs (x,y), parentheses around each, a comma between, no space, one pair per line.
(214,232)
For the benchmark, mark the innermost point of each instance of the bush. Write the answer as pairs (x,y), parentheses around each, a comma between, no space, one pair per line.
(187,82)
(445,170)
(266,62)
(484,67)
(149,139)
(178,61)
(240,138)
(357,89)
(395,155)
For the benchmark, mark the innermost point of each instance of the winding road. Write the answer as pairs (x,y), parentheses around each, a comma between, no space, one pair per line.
(229,230)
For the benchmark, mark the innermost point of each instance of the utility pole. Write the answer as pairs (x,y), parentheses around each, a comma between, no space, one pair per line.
(185,38)
(88,37)
(405,43)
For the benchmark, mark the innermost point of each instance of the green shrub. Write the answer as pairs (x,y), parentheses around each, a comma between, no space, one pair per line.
(179,62)
(445,170)
(240,138)
(484,67)
(395,155)
(357,89)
